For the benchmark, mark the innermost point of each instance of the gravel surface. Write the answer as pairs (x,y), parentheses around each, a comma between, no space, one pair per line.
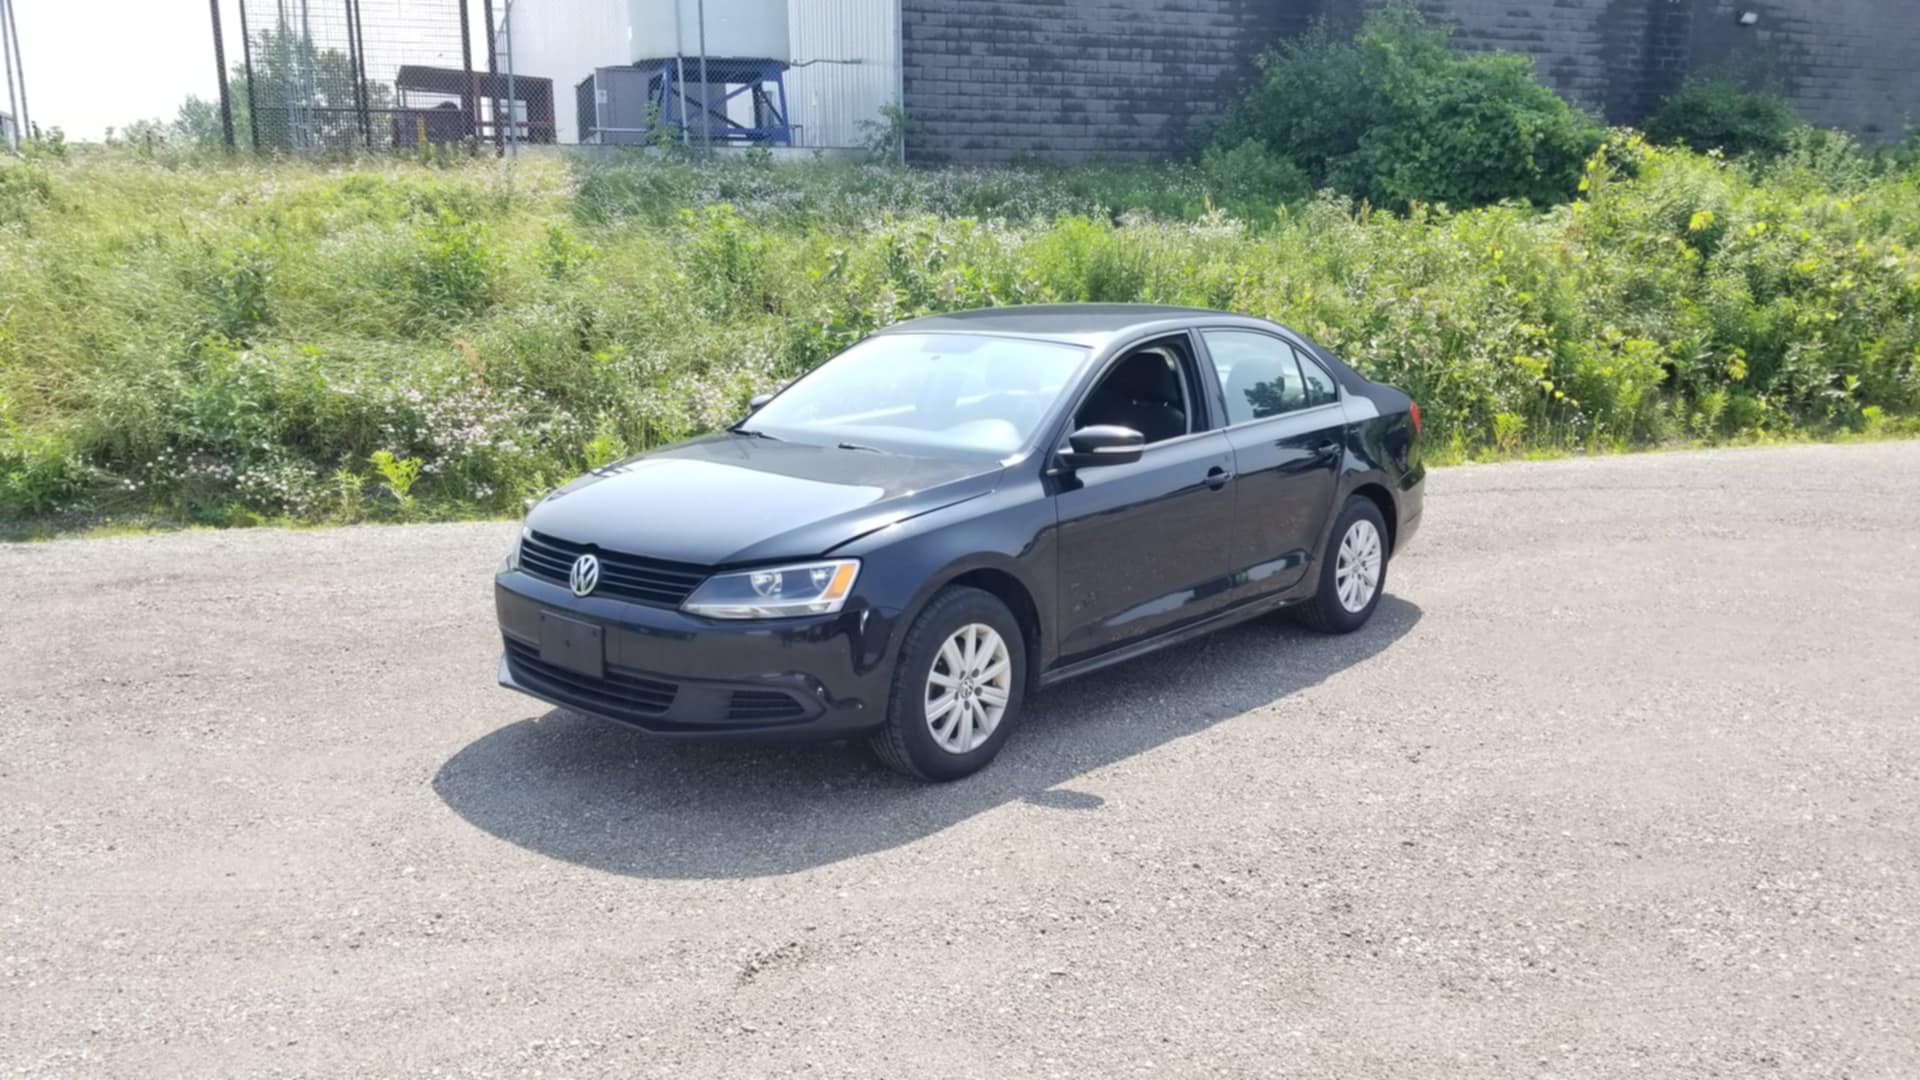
(1623,779)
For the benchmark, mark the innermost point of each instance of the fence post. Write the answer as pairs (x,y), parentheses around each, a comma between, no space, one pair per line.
(220,70)
(355,66)
(469,100)
(363,95)
(253,99)
(493,79)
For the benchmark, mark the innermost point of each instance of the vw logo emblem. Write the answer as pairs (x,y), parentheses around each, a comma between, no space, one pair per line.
(586,575)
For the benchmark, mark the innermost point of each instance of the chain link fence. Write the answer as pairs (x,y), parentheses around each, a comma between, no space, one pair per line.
(327,75)
(317,77)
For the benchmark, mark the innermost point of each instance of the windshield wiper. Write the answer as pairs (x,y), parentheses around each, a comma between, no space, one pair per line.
(860,446)
(756,433)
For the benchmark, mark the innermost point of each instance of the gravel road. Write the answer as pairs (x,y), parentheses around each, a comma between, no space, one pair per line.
(1623,779)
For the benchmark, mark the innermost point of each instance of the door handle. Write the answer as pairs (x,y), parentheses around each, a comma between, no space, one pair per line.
(1326,448)
(1217,477)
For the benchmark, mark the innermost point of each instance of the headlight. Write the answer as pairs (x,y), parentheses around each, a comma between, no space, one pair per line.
(512,561)
(819,588)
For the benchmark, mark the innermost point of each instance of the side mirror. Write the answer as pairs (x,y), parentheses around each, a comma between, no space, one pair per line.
(757,400)
(1103,444)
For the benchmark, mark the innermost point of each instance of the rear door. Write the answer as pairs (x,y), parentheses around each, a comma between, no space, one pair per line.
(1287,428)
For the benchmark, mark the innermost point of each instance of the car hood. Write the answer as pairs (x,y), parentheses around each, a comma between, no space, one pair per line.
(734,499)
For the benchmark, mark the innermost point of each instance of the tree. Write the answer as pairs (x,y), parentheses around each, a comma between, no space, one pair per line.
(197,125)
(305,101)
(302,96)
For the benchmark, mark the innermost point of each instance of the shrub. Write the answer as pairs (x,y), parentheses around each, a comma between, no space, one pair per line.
(1825,160)
(24,190)
(1395,115)
(451,269)
(1250,180)
(397,475)
(237,342)
(1718,113)
(41,473)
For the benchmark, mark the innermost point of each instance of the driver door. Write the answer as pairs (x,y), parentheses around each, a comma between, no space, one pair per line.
(1146,546)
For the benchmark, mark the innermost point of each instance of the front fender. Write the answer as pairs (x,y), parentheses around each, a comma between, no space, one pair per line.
(1010,531)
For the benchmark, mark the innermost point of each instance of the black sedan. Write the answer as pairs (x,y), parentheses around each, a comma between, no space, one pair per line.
(904,543)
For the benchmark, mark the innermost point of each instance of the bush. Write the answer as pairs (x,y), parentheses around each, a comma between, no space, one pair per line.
(1250,180)
(234,343)
(1395,116)
(1717,113)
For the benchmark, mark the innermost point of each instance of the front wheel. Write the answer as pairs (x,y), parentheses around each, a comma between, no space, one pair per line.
(957,688)
(1353,571)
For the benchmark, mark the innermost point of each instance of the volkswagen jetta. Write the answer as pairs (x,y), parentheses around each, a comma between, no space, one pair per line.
(904,543)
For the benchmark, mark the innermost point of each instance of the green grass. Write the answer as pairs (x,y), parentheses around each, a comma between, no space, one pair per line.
(185,341)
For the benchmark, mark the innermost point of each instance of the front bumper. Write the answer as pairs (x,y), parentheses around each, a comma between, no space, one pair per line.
(674,674)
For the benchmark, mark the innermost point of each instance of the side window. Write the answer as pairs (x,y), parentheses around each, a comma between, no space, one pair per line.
(1259,374)
(1320,388)
(1146,391)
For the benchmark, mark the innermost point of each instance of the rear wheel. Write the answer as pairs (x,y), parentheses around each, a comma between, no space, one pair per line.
(1353,571)
(957,688)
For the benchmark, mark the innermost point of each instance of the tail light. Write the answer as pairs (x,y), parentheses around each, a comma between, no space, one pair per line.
(1413,410)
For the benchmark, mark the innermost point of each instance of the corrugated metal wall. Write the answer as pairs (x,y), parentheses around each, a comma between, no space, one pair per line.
(563,40)
(846,57)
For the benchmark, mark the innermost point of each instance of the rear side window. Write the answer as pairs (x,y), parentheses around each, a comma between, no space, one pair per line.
(1262,376)
(1320,389)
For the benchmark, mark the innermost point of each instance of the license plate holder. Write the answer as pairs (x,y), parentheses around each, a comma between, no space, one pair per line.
(579,647)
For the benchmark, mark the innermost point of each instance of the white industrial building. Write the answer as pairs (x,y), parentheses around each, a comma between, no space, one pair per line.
(800,72)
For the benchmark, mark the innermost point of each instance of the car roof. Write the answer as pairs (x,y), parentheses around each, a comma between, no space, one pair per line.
(1081,324)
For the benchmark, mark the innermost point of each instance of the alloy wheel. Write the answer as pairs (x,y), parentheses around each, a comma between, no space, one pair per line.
(1356,571)
(968,687)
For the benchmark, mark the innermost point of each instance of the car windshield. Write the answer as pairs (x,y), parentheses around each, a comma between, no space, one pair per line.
(940,395)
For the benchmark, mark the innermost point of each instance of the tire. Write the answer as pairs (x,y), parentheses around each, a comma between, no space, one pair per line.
(922,738)
(1327,611)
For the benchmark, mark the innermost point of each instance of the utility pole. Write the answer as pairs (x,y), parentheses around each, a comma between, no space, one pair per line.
(13,102)
(220,72)
(16,70)
(706,91)
(680,71)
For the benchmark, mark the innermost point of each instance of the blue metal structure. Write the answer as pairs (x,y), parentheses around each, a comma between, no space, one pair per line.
(763,82)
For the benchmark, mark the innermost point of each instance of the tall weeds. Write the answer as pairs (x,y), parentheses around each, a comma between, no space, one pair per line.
(231,343)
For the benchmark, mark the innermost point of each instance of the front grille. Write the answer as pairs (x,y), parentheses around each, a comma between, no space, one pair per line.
(629,577)
(763,706)
(623,694)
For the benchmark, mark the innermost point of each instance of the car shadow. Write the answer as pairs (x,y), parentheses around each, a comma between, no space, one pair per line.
(591,792)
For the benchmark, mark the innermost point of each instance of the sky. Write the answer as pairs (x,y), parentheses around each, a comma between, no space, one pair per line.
(95,64)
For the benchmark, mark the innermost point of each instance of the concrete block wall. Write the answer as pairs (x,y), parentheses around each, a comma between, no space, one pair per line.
(1616,58)
(1851,64)
(1064,80)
